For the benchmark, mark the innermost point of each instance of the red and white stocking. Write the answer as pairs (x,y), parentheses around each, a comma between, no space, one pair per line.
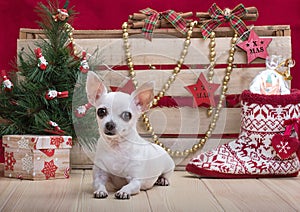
(252,154)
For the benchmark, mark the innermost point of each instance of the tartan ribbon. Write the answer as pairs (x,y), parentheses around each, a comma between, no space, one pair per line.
(153,16)
(219,16)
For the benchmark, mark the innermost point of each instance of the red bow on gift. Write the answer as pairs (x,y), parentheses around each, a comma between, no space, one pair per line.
(170,15)
(285,145)
(52,94)
(219,16)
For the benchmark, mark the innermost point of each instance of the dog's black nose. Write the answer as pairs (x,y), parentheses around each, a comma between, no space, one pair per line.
(110,128)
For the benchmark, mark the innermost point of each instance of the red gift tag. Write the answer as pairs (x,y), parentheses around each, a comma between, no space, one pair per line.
(285,145)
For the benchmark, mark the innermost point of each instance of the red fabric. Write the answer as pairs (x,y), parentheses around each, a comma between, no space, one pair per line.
(205,173)
(1,152)
(274,100)
(96,14)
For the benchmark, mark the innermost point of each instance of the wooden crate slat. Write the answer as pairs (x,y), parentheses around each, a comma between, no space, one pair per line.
(240,79)
(167,51)
(277,30)
(191,121)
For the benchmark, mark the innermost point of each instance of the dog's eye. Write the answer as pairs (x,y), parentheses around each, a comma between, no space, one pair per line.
(101,112)
(126,116)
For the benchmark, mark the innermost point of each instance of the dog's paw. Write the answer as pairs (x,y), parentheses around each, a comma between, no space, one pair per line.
(100,194)
(161,181)
(122,195)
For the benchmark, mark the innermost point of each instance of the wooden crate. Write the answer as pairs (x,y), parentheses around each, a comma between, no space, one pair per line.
(179,127)
(37,157)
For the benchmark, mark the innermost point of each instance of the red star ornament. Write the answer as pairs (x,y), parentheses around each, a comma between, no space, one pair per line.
(203,92)
(255,47)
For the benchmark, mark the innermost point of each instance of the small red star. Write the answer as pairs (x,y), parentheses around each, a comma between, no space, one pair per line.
(127,88)
(255,47)
(203,92)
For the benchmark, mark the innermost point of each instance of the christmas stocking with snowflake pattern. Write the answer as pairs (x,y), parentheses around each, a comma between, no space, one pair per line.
(264,147)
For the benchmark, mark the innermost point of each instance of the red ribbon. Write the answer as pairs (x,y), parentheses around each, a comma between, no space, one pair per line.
(153,16)
(287,141)
(52,94)
(291,124)
(219,16)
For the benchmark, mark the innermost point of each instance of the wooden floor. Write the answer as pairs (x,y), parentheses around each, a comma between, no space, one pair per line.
(186,193)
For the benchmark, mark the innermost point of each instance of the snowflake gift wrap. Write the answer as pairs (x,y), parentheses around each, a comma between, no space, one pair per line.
(36,157)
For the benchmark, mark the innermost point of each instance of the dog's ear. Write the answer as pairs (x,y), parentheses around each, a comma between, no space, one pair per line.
(94,87)
(143,96)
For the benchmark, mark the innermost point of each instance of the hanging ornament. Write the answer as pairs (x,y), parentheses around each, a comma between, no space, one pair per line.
(42,63)
(203,92)
(62,15)
(285,145)
(71,45)
(52,94)
(84,66)
(129,87)
(6,83)
(56,129)
(82,110)
(255,47)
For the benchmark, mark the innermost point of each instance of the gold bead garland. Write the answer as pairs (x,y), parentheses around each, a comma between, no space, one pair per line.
(172,78)
(212,58)
(176,70)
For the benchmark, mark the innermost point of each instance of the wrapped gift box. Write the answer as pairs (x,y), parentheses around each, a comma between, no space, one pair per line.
(37,157)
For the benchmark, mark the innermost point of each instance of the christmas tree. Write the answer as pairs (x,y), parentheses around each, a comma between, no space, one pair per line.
(40,100)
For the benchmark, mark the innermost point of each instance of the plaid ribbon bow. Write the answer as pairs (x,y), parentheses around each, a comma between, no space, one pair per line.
(219,16)
(153,16)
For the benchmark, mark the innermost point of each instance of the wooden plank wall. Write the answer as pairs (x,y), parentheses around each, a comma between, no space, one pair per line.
(164,50)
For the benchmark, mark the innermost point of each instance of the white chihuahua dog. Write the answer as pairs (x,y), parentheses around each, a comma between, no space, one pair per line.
(122,156)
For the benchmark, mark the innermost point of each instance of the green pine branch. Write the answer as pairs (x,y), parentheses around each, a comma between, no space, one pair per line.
(25,109)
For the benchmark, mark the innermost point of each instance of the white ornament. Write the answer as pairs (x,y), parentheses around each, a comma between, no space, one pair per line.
(269,81)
